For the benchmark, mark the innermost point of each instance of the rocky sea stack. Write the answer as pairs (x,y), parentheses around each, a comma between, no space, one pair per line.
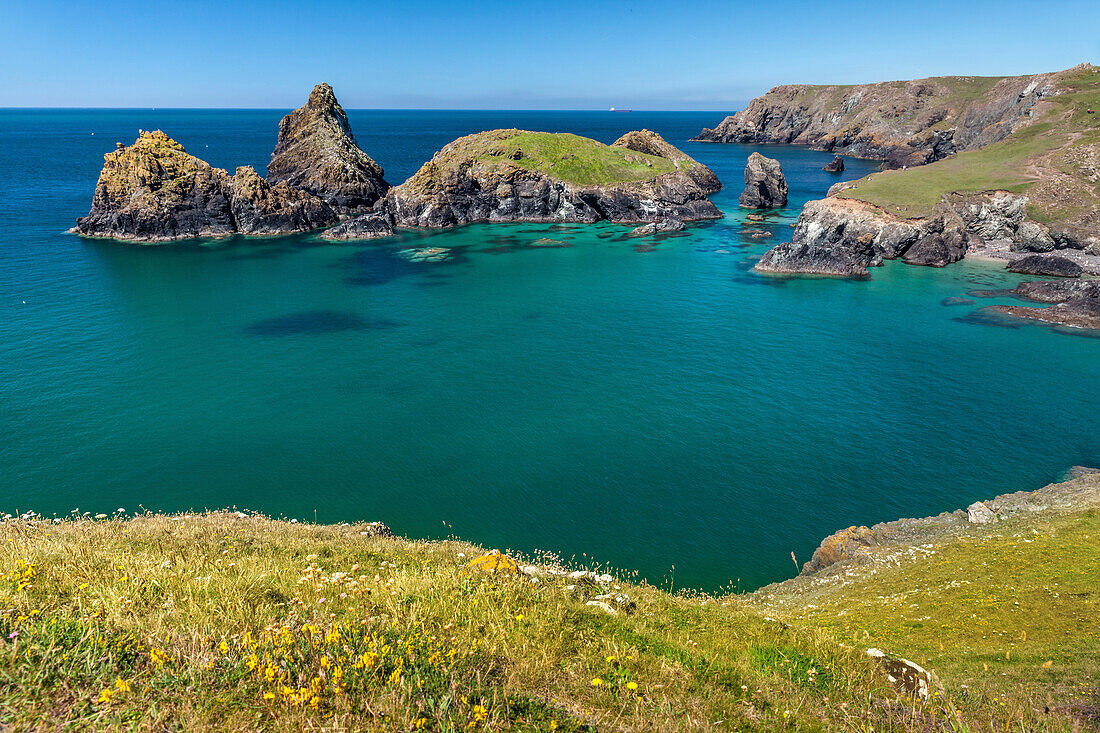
(516,175)
(154,191)
(765,186)
(316,152)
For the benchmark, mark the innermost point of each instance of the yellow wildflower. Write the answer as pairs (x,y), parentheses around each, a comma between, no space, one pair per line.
(596,682)
(632,685)
(122,685)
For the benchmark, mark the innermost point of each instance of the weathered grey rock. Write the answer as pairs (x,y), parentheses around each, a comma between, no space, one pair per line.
(316,152)
(979,513)
(991,216)
(664,225)
(938,249)
(367,226)
(154,191)
(907,678)
(1057,291)
(836,165)
(765,186)
(1032,237)
(1045,265)
(1081,311)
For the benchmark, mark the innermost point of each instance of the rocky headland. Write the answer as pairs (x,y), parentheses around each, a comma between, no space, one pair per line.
(1074,302)
(154,191)
(316,152)
(903,123)
(516,175)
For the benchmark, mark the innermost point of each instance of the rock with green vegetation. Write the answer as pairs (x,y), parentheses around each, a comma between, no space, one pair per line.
(904,123)
(317,152)
(154,191)
(516,175)
(765,184)
(651,143)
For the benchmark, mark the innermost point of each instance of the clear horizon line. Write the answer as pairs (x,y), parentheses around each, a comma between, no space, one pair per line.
(379,109)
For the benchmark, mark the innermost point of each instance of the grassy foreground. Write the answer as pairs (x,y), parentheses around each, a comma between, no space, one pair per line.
(223,621)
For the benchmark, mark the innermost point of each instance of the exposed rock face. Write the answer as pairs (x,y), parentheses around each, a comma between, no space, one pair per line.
(843,546)
(650,143)
(840,236)
(513,175)
(765,186)
(836,165)
(1057,291)
(1032,237)
(316,152)
(1046,265)
(154,191)
(904,123)
(979,513)
(367,226)
(908,678)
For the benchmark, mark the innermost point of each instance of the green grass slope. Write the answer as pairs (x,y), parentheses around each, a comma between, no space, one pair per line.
(217,621)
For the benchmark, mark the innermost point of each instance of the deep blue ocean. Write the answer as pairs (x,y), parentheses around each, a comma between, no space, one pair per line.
(648,407)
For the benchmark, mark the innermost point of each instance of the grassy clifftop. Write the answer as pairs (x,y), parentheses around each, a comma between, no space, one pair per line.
(221,620)
(1053,159)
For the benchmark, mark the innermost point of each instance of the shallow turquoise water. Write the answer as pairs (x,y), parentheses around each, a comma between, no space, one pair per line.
(649,408)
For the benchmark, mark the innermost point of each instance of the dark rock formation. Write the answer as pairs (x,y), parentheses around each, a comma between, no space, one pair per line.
(664,225)
(367,226)
(1045,265)
(1032,237)
(1076,302)
(514,175)
(834,166)
(650,143)
(765,186)
(938,249)
(316,152)
(904,123)
(154,191)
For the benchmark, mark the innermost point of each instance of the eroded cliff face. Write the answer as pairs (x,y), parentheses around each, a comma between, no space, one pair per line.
(317,152)
(154,191)
(509,175)
(651,143)
(904,123)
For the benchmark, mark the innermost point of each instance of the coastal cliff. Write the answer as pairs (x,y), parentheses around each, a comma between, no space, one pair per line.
(516,175)
(903,123)
(317,153)
(154,191)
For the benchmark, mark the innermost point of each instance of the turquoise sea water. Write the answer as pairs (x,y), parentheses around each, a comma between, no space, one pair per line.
(651,406)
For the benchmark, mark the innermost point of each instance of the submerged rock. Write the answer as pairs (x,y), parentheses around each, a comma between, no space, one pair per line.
(154,191)
(836,165)
(316,152)
(1047,265)
(515,175)
(765,186)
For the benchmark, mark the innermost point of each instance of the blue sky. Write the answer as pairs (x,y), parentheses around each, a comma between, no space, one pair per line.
(510,55)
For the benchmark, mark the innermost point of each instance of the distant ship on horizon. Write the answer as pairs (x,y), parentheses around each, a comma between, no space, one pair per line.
(620,110)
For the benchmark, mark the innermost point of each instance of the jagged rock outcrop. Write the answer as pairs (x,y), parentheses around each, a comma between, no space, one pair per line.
(664,225)
(515,175)
(154,191)
(765,185)
(836,165)
(1046,266)
(367,226)
(904,123)
(844,237)
(316,152)
(651,143)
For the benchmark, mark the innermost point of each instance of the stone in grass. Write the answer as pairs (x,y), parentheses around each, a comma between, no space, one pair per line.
(904,676)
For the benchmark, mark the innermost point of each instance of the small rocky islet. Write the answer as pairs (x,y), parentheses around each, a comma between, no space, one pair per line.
(154,191)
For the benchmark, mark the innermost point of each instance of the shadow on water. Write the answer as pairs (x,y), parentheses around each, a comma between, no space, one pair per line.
(317,322)
(955,301)
(381,265)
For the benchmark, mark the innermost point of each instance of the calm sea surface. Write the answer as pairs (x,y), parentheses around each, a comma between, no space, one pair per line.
(649,408)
